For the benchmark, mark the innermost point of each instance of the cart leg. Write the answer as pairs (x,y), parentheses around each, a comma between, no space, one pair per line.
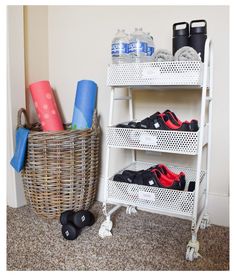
(205,222)
(105,229)
(193,245)
(192,248)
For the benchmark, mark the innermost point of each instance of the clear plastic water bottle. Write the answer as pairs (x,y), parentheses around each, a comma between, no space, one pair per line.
(150,48)
(127,40)
(138,46)
(120,47)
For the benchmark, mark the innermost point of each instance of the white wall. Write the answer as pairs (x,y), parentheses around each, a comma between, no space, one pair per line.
(27,62)
(79,39)
(36,50)
(15,97)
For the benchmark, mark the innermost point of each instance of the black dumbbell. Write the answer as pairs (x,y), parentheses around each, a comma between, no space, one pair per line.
(69,231)
(83,218)
(80,219)
(64,218)
(73,221)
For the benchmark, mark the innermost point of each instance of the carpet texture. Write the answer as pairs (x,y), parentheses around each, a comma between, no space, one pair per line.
(141,241)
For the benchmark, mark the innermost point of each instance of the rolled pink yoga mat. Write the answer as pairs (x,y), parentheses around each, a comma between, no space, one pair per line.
(45,105)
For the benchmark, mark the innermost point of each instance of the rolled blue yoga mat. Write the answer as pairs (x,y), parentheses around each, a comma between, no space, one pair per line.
(85,101)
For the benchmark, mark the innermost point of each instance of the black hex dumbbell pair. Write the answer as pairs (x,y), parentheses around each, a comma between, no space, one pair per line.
(72,222)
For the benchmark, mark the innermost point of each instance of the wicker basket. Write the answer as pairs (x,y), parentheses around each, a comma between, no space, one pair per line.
(61,169)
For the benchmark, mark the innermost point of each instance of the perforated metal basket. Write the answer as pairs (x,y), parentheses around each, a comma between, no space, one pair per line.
(183,142)
(166,200)
(155,73)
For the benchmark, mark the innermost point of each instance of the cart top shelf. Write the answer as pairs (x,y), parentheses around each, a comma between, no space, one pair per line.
(182,74)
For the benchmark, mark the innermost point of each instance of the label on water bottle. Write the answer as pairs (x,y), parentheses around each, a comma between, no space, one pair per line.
(118,49)
(137,47)
(150,51)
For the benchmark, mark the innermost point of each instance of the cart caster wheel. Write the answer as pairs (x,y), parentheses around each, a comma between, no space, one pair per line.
(190,254)
(192,251)
(204,223)
(105,229)
(131,210)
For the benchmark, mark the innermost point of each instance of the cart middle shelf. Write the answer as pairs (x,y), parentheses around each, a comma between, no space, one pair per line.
(182,142)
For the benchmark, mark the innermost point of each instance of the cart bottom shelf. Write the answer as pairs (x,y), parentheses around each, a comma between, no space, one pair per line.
(152,198)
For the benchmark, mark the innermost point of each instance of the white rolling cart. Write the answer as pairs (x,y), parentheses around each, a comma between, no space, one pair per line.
(190,205)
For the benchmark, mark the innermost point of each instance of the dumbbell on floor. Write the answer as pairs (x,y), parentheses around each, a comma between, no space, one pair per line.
(72,222)
(70,232)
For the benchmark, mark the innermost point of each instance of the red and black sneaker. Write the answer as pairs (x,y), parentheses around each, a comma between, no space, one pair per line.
(166,171)
(185,126)
(160,121)
(158,176)
(146,178)
(152,122)
(142,177)
(126,176)
(173,118)
(193,124)
(166,182)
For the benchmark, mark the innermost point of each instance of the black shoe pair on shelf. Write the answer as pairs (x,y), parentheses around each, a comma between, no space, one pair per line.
(163,121)
(158,176)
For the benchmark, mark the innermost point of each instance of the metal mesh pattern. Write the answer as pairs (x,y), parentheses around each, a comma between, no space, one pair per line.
(184,142)
(172,201)
(155,73)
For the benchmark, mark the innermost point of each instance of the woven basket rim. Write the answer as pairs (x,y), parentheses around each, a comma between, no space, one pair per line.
(62,132)
(35,129)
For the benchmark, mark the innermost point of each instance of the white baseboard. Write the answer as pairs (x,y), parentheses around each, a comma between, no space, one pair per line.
(100,192)
(218,209)
(218,206)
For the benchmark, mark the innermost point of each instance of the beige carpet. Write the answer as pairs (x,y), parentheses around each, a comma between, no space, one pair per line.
(143,241)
